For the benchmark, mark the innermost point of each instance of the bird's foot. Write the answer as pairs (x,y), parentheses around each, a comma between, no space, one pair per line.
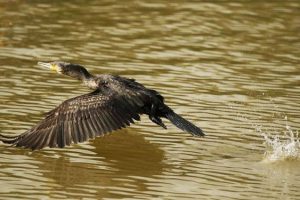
(157,121)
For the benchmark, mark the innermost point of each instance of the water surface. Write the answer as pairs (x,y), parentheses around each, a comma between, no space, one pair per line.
(230,67)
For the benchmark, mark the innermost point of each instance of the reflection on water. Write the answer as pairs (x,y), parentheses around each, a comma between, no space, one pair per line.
(230,67)
(90,170)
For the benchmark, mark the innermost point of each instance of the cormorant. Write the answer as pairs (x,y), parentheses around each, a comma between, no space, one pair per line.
(114,103)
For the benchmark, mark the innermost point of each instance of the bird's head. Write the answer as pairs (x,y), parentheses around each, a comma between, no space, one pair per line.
(73,70)
(60,66)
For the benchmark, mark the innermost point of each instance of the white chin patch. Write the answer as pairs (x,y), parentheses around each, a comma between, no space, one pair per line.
(59,70)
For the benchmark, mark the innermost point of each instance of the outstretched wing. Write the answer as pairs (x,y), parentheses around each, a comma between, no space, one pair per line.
(82,118)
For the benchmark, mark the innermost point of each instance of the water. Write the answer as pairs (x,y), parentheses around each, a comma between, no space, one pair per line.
(230,67)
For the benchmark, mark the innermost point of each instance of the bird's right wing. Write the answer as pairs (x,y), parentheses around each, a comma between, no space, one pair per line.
(82,118)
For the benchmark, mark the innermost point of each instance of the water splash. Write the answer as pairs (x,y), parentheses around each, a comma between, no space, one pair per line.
(281,147)
(281,143)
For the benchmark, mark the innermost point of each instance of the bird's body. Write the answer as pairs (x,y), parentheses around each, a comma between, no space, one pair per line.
(114,104)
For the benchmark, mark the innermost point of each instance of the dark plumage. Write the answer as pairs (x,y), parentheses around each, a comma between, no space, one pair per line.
(114,104)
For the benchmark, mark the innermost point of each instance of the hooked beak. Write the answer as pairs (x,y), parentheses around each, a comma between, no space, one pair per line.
(50,66)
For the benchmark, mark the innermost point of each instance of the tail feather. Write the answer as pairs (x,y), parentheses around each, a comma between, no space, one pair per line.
(183,124)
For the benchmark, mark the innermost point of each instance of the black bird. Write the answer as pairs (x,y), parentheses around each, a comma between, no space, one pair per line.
(114,103)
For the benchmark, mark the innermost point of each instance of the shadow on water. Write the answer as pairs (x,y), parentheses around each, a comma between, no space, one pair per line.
(87,170)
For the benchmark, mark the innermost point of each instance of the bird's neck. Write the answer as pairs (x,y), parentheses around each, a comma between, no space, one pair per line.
(91,83)
(80,73)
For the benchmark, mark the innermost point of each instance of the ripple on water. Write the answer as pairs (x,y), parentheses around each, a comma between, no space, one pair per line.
(231,68)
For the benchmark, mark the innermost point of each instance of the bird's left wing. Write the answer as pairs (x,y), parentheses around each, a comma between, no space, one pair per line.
(82,118)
